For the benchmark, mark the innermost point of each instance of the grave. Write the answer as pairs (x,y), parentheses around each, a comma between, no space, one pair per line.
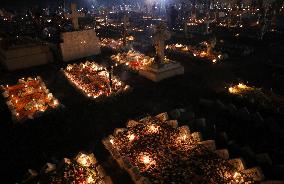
(28,98)
(24,53)
(161,68)
(153,150)
(84,168)
(78,43)
(94,81)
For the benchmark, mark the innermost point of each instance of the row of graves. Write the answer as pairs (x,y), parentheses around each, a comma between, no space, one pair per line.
(30,97)
(155,149)
(20,53)
(117,44)
(204,51)
(158,150)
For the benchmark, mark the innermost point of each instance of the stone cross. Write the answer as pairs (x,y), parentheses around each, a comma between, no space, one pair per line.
(125,24)
(74,16)
(160,36)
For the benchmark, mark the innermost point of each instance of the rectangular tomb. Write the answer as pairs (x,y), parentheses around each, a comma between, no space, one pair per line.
(28,98)
(94,81)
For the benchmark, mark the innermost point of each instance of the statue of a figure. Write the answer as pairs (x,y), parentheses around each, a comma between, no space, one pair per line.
(211,45)
(161,34)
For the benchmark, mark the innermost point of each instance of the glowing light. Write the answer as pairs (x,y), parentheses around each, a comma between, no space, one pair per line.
(90,179)
(146,159)
(85,160)
(153,129)
(131,137)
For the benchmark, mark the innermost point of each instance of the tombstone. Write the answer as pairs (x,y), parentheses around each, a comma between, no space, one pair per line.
(30,176)
(256,117)
(145,119)
(244,113)
(49,167)
(79,43)
(187,116)
(206,102)
(119,130)
(175,114)
(223,153)
(101,171)
(163,116)
(209,144)
(263,159)
(254,173)
(273,126)
(232,109)
(131,123)
(107,180)
(248,153)
(184,129)
(172,123)
(196,136)
(220,105)
(26,54)
(200,123)
(222,138)
(233,147)
(237,163)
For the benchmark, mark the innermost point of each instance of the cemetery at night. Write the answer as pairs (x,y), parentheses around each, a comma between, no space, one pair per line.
(142,91)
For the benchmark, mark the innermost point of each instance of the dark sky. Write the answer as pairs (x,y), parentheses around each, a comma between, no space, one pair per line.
(27,3)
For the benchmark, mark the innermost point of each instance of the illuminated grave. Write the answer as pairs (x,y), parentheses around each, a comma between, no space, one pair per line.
(134,60)
(82,169)
(206,54)
(115,44)
(155,69)
(254,95)
(28,98)
(94,81)
(112,43)
(157,150)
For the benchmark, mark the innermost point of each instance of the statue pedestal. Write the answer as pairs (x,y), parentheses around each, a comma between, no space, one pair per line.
(79,44)
(157,74)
